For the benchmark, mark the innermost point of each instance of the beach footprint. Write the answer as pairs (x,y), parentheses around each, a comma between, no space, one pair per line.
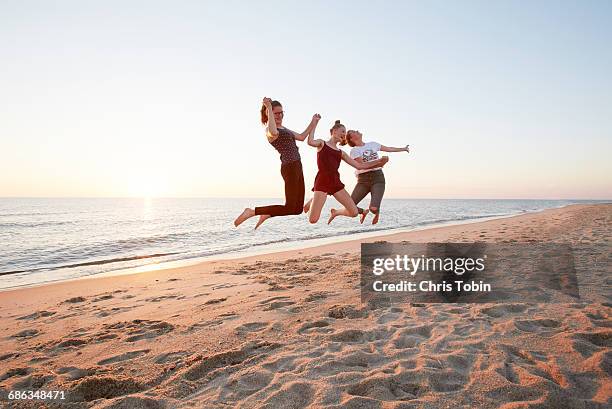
(315,326)
(251,327)
(292,395)
(498,311)
(36,315)
(26,333)
(138,329)
(537,325)
(170,357)
(275,303)
(123,357)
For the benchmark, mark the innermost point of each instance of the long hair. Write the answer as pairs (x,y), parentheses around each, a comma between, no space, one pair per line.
(264,111)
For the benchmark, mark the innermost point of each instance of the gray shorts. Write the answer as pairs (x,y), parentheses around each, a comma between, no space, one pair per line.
(372,182)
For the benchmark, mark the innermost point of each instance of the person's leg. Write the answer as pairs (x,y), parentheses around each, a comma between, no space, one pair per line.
(262,218)
(246,214)
(349,210)
(299,191)
(362,214)
(317,202)
(294,193)
(279,210)
(307,206)
(360,191)
(378,191)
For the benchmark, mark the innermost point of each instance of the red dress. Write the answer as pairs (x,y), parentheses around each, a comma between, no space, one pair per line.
(328,178)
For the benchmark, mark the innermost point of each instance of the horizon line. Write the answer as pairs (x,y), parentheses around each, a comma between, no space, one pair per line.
(280,198)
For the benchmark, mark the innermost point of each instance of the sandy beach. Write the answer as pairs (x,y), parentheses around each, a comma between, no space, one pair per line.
(288,330)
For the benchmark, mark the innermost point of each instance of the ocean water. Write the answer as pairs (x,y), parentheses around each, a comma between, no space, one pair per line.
(50,239)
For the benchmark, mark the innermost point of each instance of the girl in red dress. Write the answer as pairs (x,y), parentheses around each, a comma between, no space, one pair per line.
(327,181)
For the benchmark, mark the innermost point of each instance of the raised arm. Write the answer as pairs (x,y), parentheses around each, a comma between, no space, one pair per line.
(392,149)
(317,143)
(364,165)
(271,131)
(302,136)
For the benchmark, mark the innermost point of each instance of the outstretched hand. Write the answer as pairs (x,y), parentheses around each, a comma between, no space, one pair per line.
(316,118)
(407,148)
(267,102)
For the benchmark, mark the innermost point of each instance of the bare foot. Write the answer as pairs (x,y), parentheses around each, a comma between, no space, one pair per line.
(307,206)
(375,219)
(262,219)
(363,215)
(333,215)
(246,214)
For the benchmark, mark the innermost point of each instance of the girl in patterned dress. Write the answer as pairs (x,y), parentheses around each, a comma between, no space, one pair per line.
(283,140)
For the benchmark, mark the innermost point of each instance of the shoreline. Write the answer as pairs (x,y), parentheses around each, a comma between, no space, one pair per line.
(350,246)
(274,248)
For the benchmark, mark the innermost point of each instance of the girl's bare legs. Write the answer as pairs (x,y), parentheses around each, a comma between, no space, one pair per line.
(376,214)
(316,205)
(246,214)
(262,218)
(307,206)
(350,208)
(363,215)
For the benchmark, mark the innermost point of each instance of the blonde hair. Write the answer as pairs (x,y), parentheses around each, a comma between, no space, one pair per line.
(348,140)
(337,125)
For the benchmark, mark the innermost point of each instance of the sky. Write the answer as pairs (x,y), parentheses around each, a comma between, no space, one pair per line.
(504,99)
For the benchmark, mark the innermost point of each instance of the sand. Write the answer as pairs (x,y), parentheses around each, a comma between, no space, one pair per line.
(288,330)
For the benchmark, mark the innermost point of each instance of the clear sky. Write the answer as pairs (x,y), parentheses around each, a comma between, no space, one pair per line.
(128,98)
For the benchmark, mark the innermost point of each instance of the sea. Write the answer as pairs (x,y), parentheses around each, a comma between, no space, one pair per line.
(55,239)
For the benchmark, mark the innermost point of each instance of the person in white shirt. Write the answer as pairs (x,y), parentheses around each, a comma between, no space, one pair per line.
(368,180)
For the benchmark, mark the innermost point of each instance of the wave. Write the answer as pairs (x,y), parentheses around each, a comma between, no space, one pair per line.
(90,263)
(53,258)
(38,213)
(34,224)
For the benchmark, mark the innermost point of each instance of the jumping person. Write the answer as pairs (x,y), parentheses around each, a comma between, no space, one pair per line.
(327,181)
(370,180)
(283,140)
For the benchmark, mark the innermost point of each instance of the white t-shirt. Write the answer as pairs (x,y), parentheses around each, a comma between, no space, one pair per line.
(368,152)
